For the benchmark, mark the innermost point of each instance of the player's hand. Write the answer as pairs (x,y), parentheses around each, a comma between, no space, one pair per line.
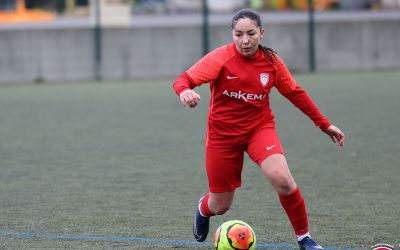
(189,98)
(336,135)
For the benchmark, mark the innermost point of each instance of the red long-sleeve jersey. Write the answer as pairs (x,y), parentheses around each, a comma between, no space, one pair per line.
(240,90)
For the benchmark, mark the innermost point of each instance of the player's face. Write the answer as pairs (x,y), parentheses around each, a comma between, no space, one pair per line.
(247,36)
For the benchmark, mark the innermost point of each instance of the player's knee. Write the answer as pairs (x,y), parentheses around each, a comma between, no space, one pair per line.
(220,203)
(284,184)
(221,209)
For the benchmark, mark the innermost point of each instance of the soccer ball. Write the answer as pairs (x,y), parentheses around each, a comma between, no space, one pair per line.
(234,234)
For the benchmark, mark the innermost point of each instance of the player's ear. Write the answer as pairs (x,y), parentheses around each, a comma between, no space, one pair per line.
(262,31)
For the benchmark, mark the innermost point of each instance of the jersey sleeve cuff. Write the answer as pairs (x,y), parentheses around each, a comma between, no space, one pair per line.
(325,125)
(182,83)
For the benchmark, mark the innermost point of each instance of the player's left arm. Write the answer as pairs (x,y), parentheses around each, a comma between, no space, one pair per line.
(288,87)
(336,135)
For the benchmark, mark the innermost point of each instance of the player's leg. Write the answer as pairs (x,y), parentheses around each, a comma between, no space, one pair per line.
(276,171)
(265,149)
(209,205)
(219,203)
(224,166)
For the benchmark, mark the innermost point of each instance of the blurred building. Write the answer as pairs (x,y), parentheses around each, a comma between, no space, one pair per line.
(173,7)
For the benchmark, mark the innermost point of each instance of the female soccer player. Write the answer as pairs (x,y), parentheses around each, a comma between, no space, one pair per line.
(241,75)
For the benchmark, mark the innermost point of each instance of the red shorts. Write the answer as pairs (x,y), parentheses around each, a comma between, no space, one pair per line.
(224,158)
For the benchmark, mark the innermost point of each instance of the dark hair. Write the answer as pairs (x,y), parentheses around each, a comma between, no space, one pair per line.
(252,15)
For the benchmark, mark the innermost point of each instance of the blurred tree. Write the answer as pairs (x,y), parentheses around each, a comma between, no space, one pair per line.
(319,5)
(277,4)
(256,4)
(21,14)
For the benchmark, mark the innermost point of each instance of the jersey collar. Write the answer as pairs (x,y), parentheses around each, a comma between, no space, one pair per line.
(253,57)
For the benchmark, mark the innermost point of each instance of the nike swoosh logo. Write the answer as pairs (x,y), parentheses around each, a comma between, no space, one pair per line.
(195,232)
(270,147)
(231,77)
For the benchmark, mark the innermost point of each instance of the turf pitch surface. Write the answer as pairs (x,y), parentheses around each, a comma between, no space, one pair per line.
(120,165)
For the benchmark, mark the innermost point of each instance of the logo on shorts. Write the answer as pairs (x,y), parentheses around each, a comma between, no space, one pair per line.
(270,147)
(382,247)
(264,78)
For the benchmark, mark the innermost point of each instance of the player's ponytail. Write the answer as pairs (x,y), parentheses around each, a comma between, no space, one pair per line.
(270,53)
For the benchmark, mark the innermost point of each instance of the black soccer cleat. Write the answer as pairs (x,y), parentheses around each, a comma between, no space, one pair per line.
(309,244)
(201,225)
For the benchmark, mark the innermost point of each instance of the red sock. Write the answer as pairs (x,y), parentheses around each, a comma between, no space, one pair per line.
(204,209)
(296,210)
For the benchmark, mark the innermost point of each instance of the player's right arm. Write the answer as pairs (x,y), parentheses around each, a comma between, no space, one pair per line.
(205,70)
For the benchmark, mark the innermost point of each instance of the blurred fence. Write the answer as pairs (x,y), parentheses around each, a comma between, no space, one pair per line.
(164,45)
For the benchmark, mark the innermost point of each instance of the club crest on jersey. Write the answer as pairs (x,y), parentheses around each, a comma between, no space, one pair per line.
(264,78)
